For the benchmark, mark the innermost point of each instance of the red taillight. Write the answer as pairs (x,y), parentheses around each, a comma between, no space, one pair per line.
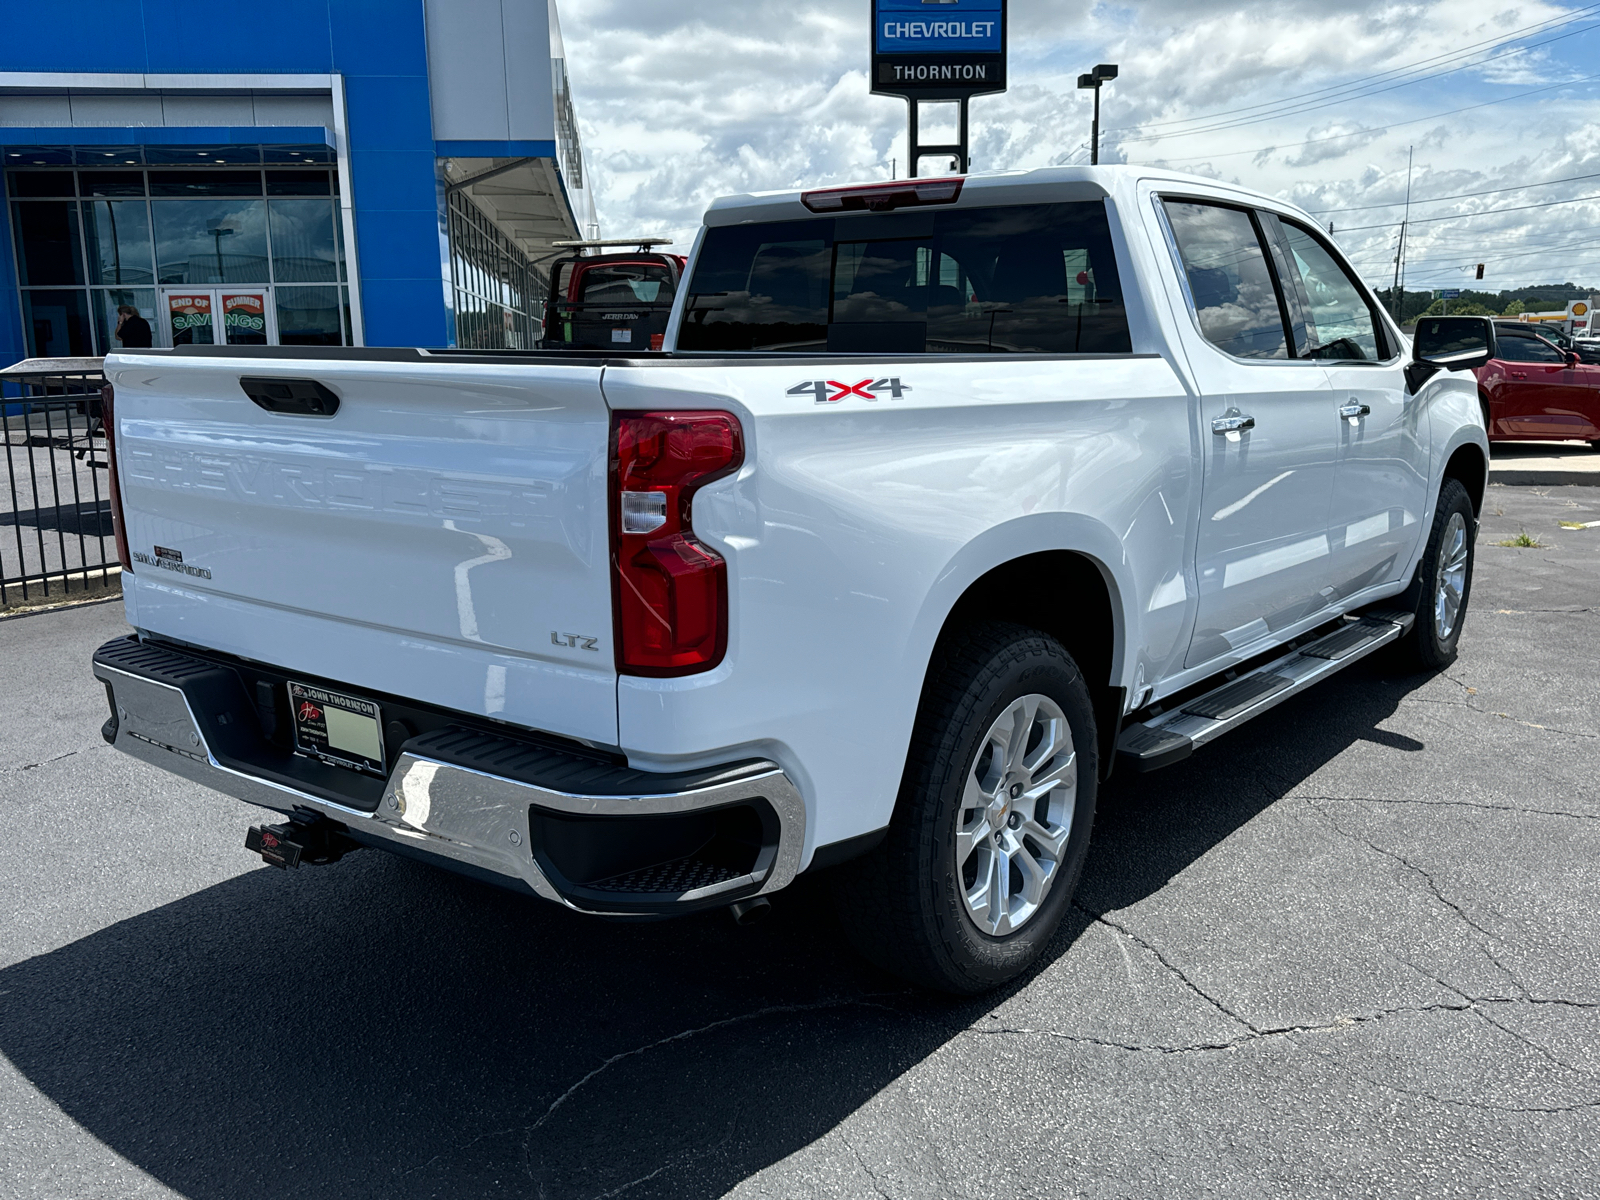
(881,197)
(108,422)
(670,590)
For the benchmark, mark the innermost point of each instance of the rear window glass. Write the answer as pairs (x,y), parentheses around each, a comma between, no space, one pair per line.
(1024,279)
(625,283)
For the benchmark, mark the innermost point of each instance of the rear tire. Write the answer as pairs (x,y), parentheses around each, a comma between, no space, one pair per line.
(1438,595)
(992,821)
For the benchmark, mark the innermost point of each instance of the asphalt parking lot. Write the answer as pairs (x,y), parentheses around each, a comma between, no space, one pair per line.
(1348,951)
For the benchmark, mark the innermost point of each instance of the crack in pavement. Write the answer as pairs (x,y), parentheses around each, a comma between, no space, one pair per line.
(1512,808)
(1102,919)
(1546,728)
(1518,612)
(862,1163)
(1542,1051)
(1468,1004)
(44,762)
(617,1191)
(1405,862)
(528,1131)
(1481,1105)
(683,1035)
(1438,894)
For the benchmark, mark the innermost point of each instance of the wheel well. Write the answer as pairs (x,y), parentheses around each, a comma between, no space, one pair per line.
(1056,592)
(1468,466)
(1066,596)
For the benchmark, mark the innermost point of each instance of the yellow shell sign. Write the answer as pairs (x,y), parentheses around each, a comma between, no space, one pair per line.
(1579,308)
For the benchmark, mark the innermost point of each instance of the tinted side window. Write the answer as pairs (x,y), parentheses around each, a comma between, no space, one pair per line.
(1022,279)
(1514,348)
(1034,278)
(1234,297)
(1339,322)
(761,287)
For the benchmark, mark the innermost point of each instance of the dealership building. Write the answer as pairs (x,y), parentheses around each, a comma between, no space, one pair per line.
(309,172)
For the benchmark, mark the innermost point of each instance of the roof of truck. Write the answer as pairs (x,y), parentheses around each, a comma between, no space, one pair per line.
(1041,185)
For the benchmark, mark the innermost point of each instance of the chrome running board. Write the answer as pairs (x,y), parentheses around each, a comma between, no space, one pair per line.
(1173,735)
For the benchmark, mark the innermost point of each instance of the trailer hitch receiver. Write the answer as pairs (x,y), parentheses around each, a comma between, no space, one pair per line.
(314,843)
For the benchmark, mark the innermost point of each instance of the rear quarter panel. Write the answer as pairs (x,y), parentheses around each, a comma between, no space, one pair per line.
(855,526)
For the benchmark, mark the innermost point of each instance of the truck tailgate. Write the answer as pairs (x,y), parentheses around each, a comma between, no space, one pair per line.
(441,537)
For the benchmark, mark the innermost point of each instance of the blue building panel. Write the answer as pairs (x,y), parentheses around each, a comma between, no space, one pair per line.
(378,47)
(378,37)
(389,112)
(284,36)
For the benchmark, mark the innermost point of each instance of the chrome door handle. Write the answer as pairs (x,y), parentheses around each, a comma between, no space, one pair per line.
(1355,409)
(1232,423)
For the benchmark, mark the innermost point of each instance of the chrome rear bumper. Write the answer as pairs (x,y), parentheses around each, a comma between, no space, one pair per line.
(439,801)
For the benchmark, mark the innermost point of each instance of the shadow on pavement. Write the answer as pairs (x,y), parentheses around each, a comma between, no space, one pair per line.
(378,1028)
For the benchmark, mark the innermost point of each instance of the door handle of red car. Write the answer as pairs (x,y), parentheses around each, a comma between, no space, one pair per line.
(1518,374)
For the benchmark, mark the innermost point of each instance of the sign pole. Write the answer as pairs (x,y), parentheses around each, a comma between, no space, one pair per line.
(951,54)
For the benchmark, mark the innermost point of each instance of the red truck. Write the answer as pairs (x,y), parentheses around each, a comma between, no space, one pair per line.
(1533,390)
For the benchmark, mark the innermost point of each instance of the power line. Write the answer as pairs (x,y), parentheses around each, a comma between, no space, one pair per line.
(1295,110)
(1356,84)
(1488,212)
(1377,128)
(1458,196)
(1481,253)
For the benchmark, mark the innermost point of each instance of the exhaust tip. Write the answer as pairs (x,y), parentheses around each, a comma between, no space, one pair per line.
(748,912)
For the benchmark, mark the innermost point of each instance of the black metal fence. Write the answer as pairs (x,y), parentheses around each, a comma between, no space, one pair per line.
(56,538)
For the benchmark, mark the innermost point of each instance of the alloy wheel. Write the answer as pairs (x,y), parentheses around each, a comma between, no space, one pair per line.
(1451,587)
(1015,815)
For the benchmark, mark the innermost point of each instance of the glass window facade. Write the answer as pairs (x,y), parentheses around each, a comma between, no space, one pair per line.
(172,244)
(497,293)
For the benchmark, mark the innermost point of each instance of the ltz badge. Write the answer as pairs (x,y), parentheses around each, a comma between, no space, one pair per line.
(831,391)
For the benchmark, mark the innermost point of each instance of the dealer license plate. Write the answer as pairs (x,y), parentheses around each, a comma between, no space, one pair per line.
(340,729)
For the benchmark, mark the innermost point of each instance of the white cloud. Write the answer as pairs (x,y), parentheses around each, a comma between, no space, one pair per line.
(680,104)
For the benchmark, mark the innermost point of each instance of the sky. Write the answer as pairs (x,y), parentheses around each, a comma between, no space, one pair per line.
(1319,104)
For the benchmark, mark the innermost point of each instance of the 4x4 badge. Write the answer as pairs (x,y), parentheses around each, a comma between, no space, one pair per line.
(831,391)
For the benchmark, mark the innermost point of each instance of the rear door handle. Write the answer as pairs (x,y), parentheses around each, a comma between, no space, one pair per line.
(1232,423)
(1355,409)
(1519,375)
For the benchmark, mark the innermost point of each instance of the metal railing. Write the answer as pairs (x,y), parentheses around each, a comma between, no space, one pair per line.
(56,537)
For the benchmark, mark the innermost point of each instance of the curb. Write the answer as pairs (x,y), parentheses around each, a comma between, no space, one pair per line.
(1533,477)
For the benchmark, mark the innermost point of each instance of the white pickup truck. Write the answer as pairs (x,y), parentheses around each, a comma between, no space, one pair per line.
(944,496)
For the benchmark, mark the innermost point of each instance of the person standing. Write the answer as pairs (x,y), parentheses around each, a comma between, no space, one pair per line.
(133,331)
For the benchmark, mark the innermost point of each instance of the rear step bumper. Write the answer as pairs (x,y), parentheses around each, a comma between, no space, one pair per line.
(595,837)
(1173,735)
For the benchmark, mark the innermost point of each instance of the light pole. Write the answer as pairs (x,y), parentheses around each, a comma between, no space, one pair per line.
(218,232)
(1104,73)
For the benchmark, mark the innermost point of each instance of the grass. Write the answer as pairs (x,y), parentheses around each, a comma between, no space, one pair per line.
(1523,539)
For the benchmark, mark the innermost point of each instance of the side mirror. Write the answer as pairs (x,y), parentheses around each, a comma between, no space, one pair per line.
(1572,358)
(1450,344)
(1454,343)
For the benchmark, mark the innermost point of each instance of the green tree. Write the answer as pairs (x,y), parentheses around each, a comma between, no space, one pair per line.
(1458,308)
(1514,308)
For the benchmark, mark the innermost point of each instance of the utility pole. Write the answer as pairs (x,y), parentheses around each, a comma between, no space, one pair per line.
(1400,257)
(1104,73)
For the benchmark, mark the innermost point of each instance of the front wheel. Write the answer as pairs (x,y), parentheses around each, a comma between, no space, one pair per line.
(992,821)
(1439,594)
